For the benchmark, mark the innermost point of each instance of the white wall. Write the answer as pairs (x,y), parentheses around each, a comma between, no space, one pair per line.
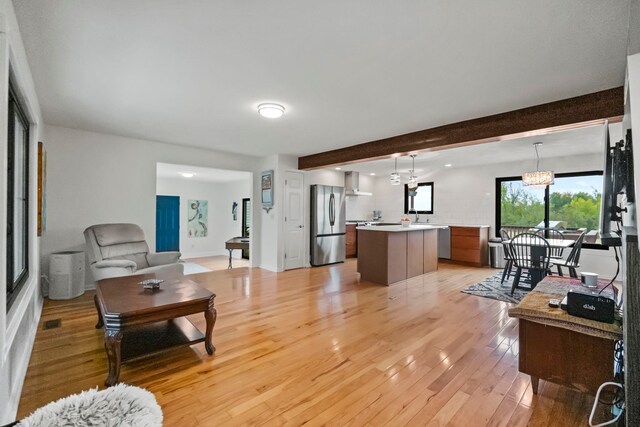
(18,327)
(221,226)
(96,178)
(361,207)
(466,196)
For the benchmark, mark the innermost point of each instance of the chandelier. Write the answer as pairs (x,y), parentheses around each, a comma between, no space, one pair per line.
(538,178)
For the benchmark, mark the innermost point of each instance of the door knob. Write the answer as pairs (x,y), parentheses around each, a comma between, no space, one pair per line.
(299,226)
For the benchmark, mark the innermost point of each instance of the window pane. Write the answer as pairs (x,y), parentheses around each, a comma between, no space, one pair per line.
(19,201)
(574,205)
(521,207)
(422,199)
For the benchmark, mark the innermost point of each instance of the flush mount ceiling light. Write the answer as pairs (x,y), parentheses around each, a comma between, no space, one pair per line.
(187,174)
(448,165)
(395,176)
(372,174)
(271,110)
(537,178)
(338,169)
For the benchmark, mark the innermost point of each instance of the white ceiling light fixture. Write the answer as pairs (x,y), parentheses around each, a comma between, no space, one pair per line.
(271,110)
(395,176)
(188,174)
(538,178)
(338,169)
(413,179)
(372,174)
(448,165)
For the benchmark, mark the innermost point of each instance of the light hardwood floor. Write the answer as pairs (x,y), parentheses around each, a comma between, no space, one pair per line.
(315,346)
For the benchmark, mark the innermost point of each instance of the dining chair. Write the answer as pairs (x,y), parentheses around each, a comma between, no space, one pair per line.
(553,234)
(531,253)
(573,259)
(508,258)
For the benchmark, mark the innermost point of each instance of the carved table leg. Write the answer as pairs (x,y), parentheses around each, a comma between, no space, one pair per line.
(100,324)
(534,384)
(210,315)
(112,340)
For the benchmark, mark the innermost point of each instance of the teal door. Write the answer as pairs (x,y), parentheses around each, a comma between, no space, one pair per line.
(167,223)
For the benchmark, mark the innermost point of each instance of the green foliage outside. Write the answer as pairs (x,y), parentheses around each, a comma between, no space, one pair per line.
(520,206)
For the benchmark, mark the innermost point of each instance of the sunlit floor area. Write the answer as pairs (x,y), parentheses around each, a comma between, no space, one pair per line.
(317,346)
(215,263)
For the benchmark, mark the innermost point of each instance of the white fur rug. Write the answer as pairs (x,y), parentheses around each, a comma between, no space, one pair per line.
(117,406)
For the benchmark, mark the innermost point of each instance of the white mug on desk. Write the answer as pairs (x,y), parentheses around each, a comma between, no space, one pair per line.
(590,280)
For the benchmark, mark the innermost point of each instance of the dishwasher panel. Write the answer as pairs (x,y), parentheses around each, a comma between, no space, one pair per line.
(444,243)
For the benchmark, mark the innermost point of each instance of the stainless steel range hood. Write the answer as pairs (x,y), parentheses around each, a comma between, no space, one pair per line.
(352,184)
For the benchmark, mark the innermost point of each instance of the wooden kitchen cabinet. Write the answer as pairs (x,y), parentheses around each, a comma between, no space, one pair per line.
(351,241)
(470,245)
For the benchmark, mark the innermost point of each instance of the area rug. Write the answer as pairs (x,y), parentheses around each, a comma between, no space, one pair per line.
(117,406)
(491,288)
(192,268)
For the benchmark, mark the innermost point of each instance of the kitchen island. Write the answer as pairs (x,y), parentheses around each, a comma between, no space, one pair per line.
(392,253)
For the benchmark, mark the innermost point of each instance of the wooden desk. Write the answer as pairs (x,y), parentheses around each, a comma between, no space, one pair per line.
(564,349)
(141,321)
(241,243)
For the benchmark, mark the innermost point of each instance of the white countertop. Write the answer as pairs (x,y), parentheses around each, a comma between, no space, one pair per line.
(399,228)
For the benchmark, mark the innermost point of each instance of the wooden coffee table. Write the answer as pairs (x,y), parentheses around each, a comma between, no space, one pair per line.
(139,321)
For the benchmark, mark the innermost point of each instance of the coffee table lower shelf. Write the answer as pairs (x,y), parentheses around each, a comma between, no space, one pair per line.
(151,338)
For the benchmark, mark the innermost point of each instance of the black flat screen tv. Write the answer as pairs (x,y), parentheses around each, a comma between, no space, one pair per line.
(617,187)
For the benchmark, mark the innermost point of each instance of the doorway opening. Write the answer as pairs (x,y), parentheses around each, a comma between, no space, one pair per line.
(198,210)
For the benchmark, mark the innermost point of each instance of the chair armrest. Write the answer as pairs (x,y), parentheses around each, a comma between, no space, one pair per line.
(162,258)
(116,263)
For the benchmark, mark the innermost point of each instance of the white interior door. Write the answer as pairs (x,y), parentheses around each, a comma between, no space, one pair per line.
(293,220)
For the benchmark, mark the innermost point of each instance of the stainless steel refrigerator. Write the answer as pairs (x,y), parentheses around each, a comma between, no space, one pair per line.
(327,225)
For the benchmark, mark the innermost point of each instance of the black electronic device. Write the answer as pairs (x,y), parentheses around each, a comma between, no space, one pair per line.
(618,179)
(591,305)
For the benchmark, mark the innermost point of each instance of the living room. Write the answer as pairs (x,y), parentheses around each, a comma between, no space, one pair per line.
(113,92)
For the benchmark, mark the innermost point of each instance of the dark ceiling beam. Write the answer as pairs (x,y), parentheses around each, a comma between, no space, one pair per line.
(585,110)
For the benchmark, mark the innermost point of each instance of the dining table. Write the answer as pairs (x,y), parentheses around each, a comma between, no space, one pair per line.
(538,251)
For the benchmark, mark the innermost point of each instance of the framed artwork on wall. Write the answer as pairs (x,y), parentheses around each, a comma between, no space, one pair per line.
(198,218)
(266,180)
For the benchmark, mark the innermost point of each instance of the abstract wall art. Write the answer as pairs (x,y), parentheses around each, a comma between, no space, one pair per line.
(198,218)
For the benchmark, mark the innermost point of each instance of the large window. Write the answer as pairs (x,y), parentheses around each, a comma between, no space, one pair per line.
(420,200)
(571,205)
(17,198)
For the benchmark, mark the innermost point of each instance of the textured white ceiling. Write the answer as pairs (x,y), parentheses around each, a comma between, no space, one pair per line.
(192,72)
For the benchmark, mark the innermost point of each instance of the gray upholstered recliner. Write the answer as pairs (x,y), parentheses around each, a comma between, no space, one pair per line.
(120,250)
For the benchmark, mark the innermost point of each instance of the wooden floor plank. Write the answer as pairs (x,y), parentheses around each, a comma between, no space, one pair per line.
(320,347)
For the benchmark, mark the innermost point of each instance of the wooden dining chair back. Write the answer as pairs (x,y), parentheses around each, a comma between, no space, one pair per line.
(508,257)
(573,259)
(531,253)
(553,234)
